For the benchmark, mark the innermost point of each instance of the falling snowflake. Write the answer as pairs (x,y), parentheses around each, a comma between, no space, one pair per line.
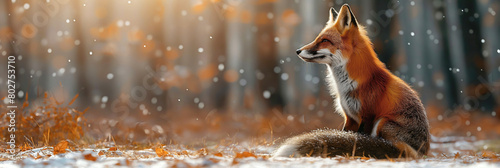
(104,99)
(110,76)
(221,67)
(266,94)
(284,76)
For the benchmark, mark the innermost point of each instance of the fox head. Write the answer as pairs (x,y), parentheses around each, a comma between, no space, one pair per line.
(334,45)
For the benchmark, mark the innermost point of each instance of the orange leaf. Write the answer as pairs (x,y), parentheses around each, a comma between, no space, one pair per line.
(245,155)
(61,147)
(218,154)
(213,160)
(161,152)
(112,149)
(89,157)
(489,154)
(365,158)
(128,162)
(457,155)
(100,153)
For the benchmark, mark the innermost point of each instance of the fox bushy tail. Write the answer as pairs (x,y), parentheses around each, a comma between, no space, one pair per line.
(329,143)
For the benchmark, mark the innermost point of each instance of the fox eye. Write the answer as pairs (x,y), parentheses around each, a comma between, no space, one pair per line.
(325,40)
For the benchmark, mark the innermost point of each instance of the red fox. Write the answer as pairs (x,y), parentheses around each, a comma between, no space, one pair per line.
(383,116)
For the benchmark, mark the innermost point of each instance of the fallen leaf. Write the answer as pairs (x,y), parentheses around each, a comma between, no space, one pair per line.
(89,157)
(235,162)
(489,154)
(100,153)
(245,155)
(128,162)
(161,152)
(365,158)
(218,154)
(213,160)
(112,149)
(61,147)
(457,155)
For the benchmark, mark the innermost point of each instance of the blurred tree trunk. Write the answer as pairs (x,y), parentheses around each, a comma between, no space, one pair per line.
(490,24)
(382,41)
(419,45)
(104,52)
(474,56)
(156,19)
(267,55)
(217,36)
(304,83)
(237,47)
(81,58)
(8,44)
(172,52)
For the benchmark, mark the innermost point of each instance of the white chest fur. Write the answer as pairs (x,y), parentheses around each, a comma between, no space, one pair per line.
(341,87)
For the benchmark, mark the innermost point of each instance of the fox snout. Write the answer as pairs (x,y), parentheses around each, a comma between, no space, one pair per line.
(309,51)
(321,56)
(298,51)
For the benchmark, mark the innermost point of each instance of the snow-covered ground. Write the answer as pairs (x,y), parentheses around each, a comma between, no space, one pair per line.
(445,155)
(77,159)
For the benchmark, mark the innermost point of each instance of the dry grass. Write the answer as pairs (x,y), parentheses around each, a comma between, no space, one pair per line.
(46,124)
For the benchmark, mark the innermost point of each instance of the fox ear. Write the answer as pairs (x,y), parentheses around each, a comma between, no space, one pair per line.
(346,18)
(333,15)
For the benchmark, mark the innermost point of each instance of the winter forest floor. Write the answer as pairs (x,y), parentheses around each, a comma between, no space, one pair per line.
(56,135)
(458,154)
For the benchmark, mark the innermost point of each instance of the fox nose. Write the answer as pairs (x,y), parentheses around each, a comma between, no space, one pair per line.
(298,51)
